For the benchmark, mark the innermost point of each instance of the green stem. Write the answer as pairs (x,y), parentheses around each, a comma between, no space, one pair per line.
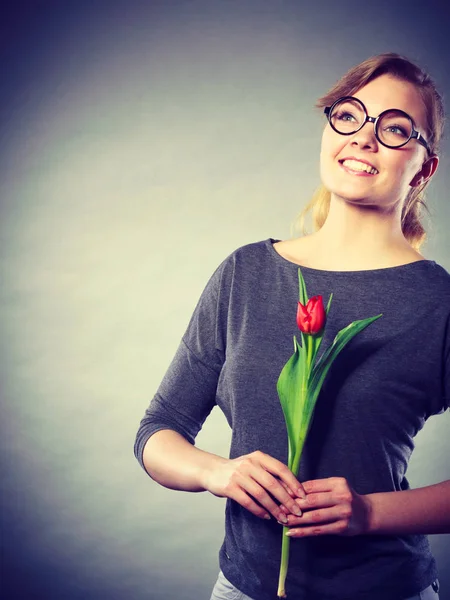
(285,541)
(284,563)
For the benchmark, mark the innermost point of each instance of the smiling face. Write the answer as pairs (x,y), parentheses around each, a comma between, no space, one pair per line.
(396,167)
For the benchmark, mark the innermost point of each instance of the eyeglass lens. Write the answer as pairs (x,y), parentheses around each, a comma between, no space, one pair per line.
(393,129)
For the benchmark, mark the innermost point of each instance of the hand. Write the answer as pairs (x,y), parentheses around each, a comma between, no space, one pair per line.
(331,507)
(254,480)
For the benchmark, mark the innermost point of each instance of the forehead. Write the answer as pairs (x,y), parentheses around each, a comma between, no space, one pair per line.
(386,92)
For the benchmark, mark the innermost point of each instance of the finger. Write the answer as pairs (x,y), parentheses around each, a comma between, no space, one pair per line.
(284,473)
(247,502)
(285,510)
(288,489)
(337,528)
(254,489)
(294,521)
(291,494)
(316,500)
(322,516)
(321,485)
(276,489)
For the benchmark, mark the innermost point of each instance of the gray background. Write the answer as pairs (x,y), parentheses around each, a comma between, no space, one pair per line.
(141,144)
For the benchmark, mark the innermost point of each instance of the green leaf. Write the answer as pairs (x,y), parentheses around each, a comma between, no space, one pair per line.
(291,388)
(327,310)
(303,296)
(320,370)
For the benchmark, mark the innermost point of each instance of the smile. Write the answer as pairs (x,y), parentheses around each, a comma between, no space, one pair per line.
(358,168)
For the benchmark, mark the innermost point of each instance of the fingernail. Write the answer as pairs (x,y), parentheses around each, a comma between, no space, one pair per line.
(296,510)
(301,493)
(282,517)
(290,532)
(267,517)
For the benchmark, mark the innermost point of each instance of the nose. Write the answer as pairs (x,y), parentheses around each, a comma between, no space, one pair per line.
(365,137)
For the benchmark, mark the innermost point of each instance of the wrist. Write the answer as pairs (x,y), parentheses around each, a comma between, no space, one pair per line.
(368,515)
(207,468)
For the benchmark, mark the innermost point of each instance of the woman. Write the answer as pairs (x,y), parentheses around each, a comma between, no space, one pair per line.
(358,531)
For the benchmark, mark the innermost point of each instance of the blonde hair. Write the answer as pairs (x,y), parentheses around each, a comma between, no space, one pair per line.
(358,76)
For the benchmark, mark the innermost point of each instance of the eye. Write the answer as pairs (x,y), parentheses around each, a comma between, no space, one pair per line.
(396,130)
(344,115)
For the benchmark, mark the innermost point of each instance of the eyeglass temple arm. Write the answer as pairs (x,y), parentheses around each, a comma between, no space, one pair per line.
(419,137)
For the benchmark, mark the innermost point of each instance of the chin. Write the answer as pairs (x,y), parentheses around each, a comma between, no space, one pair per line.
(358,189)
(366,202)
(347,192)
(351,196)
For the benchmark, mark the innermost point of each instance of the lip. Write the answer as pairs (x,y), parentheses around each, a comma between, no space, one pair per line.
(361,160)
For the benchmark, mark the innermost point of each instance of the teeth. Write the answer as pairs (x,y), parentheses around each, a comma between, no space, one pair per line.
(355,165)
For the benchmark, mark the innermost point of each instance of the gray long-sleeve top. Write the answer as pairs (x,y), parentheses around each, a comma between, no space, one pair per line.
(377,395)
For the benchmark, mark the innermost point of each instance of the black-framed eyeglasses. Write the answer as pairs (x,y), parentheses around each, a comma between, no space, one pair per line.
(393,127)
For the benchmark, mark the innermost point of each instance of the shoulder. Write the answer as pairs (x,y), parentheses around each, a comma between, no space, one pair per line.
(244,266)
(255,255)
(253,250)
(441,272)
(439,280)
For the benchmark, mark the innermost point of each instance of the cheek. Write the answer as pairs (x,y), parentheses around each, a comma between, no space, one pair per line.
(331,147)
(404,170)
(329,141)
(325,148)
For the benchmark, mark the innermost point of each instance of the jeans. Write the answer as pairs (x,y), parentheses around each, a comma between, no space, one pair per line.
(224,590)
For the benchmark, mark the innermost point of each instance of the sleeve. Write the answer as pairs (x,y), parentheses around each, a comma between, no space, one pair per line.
(447,383)
(187,392)
(446,369)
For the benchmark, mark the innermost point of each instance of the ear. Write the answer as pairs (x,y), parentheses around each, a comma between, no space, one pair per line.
(426,172)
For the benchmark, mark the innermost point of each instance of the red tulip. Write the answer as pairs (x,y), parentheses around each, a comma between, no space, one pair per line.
(311,318)
(300,382)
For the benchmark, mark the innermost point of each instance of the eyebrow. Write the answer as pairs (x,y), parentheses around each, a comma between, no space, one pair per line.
(395,108)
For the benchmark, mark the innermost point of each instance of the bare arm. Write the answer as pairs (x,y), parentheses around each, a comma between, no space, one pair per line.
(257,481)
(175,463)
(333,507)
(423,510)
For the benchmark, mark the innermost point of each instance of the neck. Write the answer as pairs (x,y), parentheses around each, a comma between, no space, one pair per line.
(365,233)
